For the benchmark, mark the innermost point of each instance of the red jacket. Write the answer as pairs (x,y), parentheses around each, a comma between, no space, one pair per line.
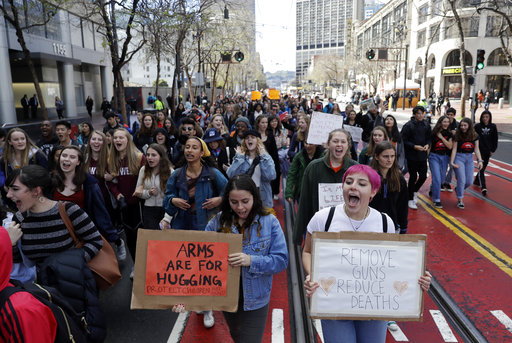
(23,318)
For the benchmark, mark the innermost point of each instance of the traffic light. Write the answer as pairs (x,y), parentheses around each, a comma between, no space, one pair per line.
(370,54)
(480,58)
(239,56)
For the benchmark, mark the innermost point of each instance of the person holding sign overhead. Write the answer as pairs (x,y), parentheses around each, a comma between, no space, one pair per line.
(327,171)
(264,253)
(360,184)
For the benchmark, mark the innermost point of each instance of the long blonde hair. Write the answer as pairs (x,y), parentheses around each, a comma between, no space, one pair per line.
(132,153)
(101,164)
(224,127)
(9,149)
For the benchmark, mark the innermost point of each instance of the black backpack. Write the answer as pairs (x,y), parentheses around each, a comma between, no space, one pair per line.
(70,326)
(331,214)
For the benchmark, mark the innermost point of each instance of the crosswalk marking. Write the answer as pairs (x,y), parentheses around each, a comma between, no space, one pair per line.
(443,326)
(179,327)
(398,335)
(503,318)
(277,326)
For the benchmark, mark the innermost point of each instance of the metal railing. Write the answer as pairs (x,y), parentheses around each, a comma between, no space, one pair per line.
(304,330)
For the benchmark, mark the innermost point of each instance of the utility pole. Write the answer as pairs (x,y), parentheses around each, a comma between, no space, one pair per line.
(405,73)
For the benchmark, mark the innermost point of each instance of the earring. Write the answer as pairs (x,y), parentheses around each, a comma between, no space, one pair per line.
(41,199)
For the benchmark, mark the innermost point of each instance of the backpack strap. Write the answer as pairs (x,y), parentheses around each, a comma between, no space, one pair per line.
(384,223)
(329,218)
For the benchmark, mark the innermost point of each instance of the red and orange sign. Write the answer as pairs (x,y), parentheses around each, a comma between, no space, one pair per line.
(185,268)
(273,94)
(255,95)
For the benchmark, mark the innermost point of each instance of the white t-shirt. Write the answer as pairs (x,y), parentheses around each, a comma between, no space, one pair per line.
(256,176)
(341,222)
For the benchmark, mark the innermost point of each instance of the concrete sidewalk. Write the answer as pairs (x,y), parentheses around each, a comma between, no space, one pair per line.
(501,117)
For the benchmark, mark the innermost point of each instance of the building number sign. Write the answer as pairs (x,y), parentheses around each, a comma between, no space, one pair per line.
(59,49)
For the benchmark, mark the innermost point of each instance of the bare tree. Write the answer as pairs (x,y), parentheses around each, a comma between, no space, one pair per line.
(462,48)
(16,14)
(503,10)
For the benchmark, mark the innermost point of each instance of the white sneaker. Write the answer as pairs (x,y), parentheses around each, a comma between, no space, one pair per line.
(132,273)
(415,197)
(276,197)
(412,205)
(392,326)
(208,319)
(121,251)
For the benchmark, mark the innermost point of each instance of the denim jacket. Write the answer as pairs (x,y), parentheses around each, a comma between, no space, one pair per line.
(269,256)
(241,165)
(177,187)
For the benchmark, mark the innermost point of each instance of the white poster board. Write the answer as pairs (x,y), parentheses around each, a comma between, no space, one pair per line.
(330,194)
(320,126)
(365,275)
(355,132)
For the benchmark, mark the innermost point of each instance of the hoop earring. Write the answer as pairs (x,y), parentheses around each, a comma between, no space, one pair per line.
(41,199)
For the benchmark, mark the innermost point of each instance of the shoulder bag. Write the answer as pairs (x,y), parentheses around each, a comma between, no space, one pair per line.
(104,265)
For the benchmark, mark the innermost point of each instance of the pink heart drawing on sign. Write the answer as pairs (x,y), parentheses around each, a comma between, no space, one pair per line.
(326,284)
(400,286)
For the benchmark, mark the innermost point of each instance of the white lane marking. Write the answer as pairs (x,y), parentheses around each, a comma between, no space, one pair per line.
(443,326)
(318,327)
(179,327)
(508,164)
(399,335)
(503,318)
(277,326)
(492,165)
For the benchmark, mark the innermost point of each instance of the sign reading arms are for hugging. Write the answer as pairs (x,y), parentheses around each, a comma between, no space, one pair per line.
(367,276)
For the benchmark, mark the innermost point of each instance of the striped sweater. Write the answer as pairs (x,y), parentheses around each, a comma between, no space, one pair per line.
(45,233)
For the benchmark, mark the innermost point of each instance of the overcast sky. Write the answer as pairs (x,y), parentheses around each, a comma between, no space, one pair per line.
(275,34)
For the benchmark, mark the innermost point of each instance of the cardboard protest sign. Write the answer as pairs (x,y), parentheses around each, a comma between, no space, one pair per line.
(355,132)
(320,126)
(365,275)
(255,95)
(273,94)
(186,267)
(330,194)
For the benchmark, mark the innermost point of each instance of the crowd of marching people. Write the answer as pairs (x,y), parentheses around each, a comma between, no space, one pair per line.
(219,167)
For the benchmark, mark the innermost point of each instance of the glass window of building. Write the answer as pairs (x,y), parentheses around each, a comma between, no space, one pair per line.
(497,58)
(421,39)
(53,27)
(88,34)
(33,10)
(75,25)
(434,33)
(422,14)
(453,59)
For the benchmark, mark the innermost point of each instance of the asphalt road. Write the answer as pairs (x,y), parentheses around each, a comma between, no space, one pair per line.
(125,325)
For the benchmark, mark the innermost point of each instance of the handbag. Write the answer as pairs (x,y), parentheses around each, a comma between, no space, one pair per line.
(104,265)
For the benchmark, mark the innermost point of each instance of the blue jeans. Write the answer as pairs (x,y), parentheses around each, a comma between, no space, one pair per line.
(354,331)
(464,173)
(438,164)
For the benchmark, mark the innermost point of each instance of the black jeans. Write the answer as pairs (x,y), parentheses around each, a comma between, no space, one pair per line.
(131,223)
(417,176)
(480,177)
(246,326)
(151,217)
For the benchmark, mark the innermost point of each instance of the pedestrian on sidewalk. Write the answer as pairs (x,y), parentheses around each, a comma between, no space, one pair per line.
(416,136)
(488,143)
(466,143)
(59,107)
